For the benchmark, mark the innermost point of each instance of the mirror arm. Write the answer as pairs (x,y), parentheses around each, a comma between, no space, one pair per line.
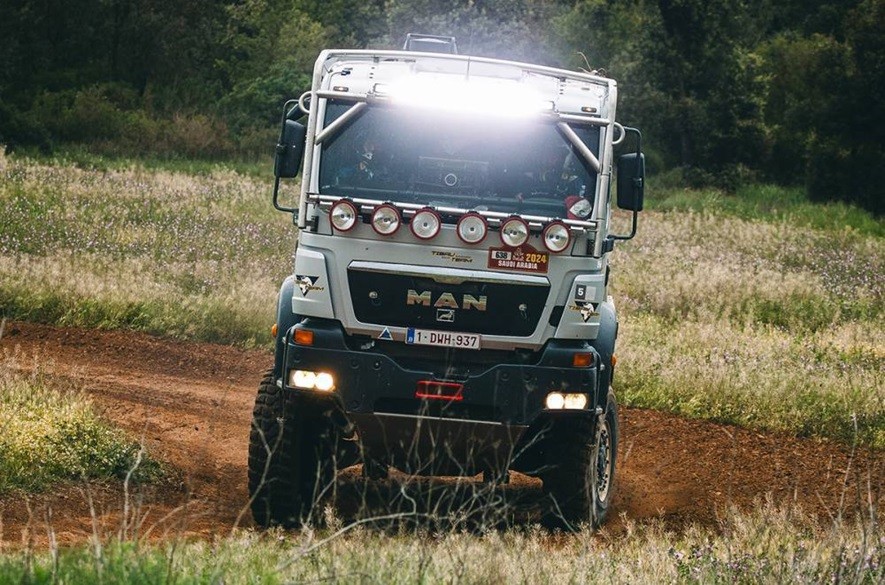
(276,191)
(632,230)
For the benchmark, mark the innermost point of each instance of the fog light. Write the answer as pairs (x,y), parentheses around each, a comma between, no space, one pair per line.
(385,219)
(425,224)
(556,236)
(555,401)
(472,228)
(343,215)
(514,232)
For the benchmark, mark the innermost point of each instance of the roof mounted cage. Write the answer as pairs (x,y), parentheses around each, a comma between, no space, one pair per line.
(430,44)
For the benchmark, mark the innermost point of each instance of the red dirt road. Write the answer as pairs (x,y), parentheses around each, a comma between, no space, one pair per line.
(191,403)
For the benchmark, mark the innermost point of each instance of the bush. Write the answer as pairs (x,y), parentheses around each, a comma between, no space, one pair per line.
(49,436)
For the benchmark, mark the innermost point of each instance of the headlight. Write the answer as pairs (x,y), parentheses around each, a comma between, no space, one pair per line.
(385,219)
(425,224)
(514,232)
(343,215)
(308,380)
(556,236)
(569,401)
(472,228)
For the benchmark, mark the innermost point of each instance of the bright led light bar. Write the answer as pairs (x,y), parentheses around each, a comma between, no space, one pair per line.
(497,97)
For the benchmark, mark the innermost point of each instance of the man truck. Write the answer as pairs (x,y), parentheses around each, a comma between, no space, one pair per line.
(448,312)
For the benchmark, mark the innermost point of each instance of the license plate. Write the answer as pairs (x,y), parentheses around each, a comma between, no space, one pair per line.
(442,338)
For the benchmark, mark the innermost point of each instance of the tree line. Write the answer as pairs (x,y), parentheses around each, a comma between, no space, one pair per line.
(725,91)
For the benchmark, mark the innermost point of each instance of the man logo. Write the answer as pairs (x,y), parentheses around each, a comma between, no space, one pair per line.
(445,315)
(446,300)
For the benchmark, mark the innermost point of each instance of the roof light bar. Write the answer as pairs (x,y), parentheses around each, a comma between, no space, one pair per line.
(496,97)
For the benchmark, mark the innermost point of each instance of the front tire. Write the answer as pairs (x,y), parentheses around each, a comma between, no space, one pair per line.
(289,464)
(581,456)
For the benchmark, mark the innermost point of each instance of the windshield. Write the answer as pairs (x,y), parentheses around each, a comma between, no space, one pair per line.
(503,165)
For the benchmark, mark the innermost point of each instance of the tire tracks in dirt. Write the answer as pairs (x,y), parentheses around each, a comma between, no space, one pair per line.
(191,404)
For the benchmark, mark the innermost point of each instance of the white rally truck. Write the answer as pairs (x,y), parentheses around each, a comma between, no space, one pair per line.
(448,311)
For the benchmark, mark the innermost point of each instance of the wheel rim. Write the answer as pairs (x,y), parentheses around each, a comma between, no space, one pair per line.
(603,462)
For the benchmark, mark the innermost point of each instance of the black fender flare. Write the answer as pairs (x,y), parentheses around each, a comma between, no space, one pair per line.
(286,319)
(604,344)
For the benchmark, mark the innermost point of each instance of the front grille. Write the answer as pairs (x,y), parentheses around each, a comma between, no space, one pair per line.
(473,306)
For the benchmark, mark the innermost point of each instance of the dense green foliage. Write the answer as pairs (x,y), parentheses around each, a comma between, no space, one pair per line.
(789,91)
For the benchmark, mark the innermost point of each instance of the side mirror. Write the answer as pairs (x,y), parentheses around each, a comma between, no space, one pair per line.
(290,150)
(631,181)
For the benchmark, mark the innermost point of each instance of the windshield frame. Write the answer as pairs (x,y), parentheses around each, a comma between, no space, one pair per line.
(565,135)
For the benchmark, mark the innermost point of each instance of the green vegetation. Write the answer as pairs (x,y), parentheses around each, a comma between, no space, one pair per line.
(767,546)
(756,308)
(786,91)
(48,436)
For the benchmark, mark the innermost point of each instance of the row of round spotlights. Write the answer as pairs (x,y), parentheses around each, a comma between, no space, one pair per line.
(472,228)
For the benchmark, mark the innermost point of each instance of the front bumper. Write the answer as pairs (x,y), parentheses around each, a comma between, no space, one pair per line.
(497,404)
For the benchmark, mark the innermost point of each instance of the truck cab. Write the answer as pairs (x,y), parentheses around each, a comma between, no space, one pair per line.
(448,311)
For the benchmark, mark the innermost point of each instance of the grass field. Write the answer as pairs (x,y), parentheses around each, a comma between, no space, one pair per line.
(733,308)
(771,545)
(757,308)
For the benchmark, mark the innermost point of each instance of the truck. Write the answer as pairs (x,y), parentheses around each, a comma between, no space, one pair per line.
(447,313)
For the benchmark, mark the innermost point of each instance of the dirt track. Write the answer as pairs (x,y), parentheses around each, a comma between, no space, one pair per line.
(192,405)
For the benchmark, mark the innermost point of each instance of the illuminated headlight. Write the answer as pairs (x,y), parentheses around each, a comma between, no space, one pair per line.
(472,228)
(343,215)
(560,401)
(425,224)
(308,380)
(385,219)
(514,232)
(556,237)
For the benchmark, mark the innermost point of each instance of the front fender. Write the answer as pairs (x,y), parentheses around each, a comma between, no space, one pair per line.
(286,319)
(605,346)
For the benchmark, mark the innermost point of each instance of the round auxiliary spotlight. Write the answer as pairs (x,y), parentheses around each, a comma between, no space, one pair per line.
(343,215)
(556,236)
(425,224)
(386,219)
(514,232)
(472,228)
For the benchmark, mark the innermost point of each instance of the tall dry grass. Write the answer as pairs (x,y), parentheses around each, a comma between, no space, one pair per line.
(776,323)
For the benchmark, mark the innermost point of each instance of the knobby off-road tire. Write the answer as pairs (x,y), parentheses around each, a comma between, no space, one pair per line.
(581,469)
(290,463)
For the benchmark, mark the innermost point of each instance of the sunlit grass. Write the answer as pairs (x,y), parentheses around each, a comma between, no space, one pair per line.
(47,436)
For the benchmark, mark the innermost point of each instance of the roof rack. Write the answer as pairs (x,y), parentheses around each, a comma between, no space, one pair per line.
(430,44)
